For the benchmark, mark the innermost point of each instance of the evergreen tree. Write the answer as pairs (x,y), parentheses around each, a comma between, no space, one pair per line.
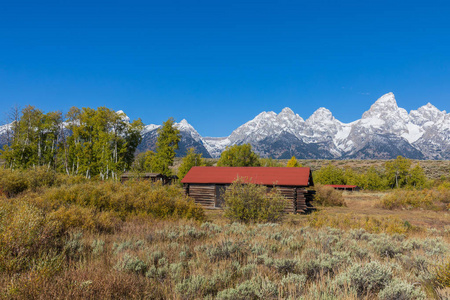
(191,159)
(293,162)
(239,156)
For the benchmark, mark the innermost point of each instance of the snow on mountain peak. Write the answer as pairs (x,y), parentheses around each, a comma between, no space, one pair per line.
(320,115)
(288,116)
(287,111)
(425,129)
(385,109)
(150,127)
(184,124)
(426,115)
(385,102)
(4,128)
(123,115)
(431,109)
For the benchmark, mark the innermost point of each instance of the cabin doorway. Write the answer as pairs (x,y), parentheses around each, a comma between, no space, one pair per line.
(220,191)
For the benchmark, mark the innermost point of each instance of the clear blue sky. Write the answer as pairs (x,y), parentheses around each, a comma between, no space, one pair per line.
(219,63)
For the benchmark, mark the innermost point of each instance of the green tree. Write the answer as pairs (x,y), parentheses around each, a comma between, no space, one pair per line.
(166,144)
(329,175)
(138,165)
(239,156)
(373,180)
(191,159)
(293,162)
(101,142)
(397,171)
(149,161)
(33,139)
(417,178)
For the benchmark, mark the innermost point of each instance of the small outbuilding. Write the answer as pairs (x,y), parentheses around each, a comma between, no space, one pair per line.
(207,185)
(153,177)
(344,187)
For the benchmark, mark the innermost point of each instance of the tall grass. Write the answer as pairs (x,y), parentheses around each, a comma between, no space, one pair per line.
(185,260)
(432,199)
(82,239)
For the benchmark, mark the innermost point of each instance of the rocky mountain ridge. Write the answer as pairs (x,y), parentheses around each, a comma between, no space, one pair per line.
(383,132)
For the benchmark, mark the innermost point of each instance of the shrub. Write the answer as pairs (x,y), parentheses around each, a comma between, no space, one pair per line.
(386,247)
(225,250)
(74,246)
(97,247)
(41,177)
(192,288)
(85,218)
(25,235)
(424,199)
(133,264)
(443,275)
(366,279)
(293,285)
(285,265)
(123,200)
(248,202)
(399,289)
(12,182)
(256,288)
(328,196)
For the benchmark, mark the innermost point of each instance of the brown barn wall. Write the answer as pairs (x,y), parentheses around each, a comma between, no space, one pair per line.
(203,194)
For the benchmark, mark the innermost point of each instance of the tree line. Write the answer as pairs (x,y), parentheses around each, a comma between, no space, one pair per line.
(88,142)
(397,173)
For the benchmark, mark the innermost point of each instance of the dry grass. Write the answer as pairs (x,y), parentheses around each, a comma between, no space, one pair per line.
(360,251)
(215,259)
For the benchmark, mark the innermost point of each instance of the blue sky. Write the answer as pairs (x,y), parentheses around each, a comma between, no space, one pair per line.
(220,63)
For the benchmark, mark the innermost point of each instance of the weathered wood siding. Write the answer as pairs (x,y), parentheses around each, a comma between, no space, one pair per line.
(289,194)
(208,196)
(204,194)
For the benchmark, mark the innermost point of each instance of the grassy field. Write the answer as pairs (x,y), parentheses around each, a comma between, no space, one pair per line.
(360,251)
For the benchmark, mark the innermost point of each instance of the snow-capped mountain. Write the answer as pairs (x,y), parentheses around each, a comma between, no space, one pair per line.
(189,138)
(384,131)
(4,135)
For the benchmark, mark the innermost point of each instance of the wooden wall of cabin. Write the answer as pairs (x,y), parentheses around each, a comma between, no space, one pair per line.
(211,196)
(204,194)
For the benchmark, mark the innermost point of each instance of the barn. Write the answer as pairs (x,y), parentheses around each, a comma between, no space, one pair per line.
(207,185)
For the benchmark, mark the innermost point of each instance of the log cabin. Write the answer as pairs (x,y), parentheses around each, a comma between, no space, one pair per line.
(207,185)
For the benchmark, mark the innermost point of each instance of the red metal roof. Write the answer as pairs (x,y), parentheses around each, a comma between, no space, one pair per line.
(259,175)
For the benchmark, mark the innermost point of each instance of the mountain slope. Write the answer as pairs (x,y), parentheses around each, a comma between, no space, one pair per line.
(189,138)
(384,131)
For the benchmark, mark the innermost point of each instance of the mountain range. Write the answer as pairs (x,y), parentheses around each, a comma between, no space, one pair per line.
(383,132)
